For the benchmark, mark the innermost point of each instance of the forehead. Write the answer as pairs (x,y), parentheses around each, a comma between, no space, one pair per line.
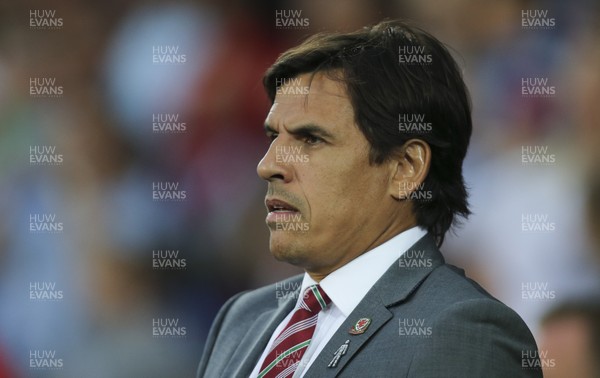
(319,100)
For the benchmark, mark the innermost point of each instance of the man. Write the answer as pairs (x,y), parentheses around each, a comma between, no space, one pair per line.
(368,133)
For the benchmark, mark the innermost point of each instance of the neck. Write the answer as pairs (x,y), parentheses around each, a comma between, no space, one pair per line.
(319,273)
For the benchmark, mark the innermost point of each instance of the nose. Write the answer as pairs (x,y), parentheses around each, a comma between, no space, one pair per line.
(270,168)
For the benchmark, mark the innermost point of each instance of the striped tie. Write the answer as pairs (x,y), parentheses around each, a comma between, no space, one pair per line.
(289,347)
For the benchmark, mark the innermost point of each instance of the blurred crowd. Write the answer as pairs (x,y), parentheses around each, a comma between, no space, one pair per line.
(103,258)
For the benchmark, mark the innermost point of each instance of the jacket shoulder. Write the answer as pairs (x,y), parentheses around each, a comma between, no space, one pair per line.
(267,297)
(237,314)
(471,332)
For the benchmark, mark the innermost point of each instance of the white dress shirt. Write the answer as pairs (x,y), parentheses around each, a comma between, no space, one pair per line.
(346,287)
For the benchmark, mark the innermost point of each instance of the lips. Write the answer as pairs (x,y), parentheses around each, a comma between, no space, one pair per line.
(279,206)
(280,211)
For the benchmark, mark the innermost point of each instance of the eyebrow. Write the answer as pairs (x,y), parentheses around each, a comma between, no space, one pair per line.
(308,129)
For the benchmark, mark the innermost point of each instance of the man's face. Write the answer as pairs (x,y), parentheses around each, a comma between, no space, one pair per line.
(326,203)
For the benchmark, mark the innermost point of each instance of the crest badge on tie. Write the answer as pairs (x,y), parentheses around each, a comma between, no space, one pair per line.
(360,327)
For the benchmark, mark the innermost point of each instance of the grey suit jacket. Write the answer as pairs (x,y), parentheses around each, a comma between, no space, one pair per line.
(427,320)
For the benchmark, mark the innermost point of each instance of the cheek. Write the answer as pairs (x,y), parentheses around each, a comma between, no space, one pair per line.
(354,178)
(334,190)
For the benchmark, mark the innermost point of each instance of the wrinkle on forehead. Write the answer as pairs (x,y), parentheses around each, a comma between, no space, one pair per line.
(321,84)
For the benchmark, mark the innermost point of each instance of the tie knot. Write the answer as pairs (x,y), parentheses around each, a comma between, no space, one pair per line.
(315,299)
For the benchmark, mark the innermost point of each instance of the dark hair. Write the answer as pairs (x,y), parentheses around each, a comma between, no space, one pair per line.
(389,70)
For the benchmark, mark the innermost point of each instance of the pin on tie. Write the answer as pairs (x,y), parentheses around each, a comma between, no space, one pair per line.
(338,354)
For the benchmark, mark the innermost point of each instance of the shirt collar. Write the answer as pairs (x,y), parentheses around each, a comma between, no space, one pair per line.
(348,285)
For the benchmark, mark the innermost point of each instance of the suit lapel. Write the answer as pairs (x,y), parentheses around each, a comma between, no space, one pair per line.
(399,281)
(370,307)
(248,352)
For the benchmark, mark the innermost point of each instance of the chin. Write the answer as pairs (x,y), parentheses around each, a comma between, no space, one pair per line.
(286,248)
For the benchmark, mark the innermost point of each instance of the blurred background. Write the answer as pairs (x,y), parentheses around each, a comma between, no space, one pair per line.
(130,208)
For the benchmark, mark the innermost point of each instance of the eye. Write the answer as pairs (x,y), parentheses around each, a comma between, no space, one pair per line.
(311,139)
(272,136)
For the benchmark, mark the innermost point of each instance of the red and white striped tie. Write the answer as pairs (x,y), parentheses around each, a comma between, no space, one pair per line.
(289,347)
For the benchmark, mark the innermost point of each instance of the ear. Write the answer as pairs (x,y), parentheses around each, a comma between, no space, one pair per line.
(412,163)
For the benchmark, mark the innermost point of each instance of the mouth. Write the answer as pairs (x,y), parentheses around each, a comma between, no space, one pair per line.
(281,212)
(279,206)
